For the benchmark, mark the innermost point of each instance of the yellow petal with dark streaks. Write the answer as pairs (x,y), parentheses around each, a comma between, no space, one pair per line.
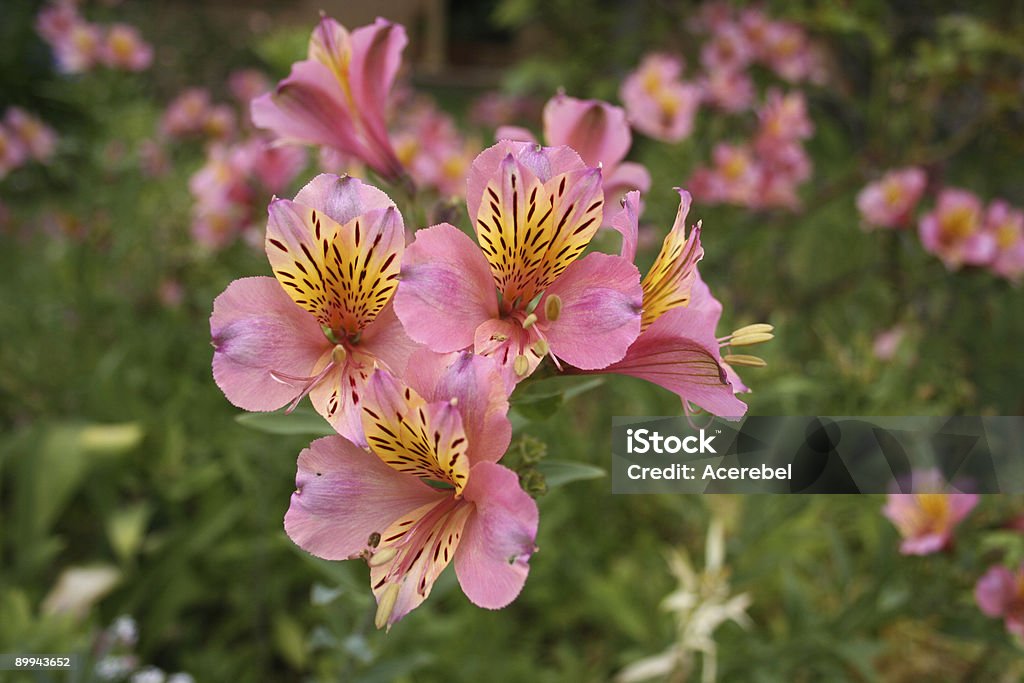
(343,275)
(426,440)
(531,231)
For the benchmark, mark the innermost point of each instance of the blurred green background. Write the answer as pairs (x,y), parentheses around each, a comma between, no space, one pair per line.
(118,452)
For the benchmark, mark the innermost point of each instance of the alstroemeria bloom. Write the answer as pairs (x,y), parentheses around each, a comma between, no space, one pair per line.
(447,426)
(599,133)
(926,520)
(1000,593)
(677,348)
(890,201)
(124,48)
(953,230)
(727,50)
(325,323)
(338,96)
(783,119)
(735,178)
(657,102)
(38,139)
(79,49)
(524,292)
(12,151)
(1006,225)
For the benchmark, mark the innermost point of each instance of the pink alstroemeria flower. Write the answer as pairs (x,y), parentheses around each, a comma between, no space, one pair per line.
(953,231)
(447,426)
(38,139)
(926,520)
(677,348)
(1000,593)
(524,292)
(325,323)
(124,48)
(599,133)
(659,104)
(1006,224)
(12,151)
(890,201)
(338,96)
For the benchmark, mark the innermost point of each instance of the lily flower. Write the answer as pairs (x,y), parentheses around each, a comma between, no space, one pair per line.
(337,97)
(1000,593)
(324,322)
(677,348)
(600,134)
(926,520)
(426,493)
(658,102)
(953,230)
(524,293)
(1006,224)
(890,202)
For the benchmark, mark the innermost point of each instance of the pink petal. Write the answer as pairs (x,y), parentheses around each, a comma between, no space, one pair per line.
(960,505)
(597,130)
(257,329)
(545,162)
(679,352)
(492,560)
(504,340)
(341,197)
(600,316)
(386,340)
(996,591)
(626,222)
(482,399)
(624,178)
(308,108)
(446,289)
(516,133)
(376,57)
(343,495)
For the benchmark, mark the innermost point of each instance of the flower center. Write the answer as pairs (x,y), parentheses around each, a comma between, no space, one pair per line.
(958,223)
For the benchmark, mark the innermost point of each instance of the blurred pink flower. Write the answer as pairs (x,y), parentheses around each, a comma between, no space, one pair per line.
(787,51)
(170,292)
(783,118)
(658,103)
(377,504)
(599,133)
(887,342)
(248,84)
(275,166)
(677,348)
(338,96)
(124,48)
(12,152)
(80,49)
(926,520)
(431,148)
(534,209)
(1006,224)
(890,202)
(730,91)
(727,50)
(735,177)
(1000,593)
(38,139)
(186,114)
(954,232)
(56,21)
(325,321)
(153,159)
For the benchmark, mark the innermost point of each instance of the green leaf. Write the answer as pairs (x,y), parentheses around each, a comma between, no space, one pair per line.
(302,421)
(561,472)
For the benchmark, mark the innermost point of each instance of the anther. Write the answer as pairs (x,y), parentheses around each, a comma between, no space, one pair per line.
(553,307)
(521,365)
(529,320)
(750,339)
(338,355)
(386,605)
(540,347)
(744,360)
(382,556)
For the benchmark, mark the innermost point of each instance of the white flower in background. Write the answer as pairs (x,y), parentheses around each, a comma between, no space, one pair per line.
(700,605)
